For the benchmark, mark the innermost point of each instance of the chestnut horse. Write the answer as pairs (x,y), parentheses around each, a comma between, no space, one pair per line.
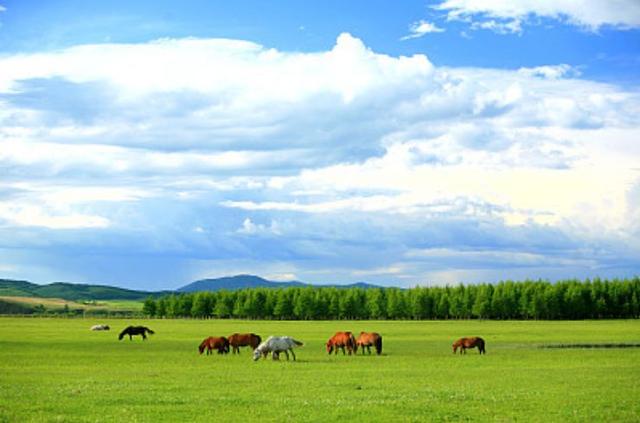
(472,342)
(341,340)
(238,340)
(215,343)
(367,340)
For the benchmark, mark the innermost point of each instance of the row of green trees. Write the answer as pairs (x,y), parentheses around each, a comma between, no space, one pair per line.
(569,299)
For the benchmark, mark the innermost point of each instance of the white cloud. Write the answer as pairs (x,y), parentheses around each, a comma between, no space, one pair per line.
(589,14)
(510,27)
(37,216)
(550,72)
(250,228)
(345,159)
(420,29)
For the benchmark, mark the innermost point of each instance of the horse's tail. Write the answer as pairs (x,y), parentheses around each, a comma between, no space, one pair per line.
(379,345)
(352,340)
(123,333)
(298,343)
(257,341)
(149,330)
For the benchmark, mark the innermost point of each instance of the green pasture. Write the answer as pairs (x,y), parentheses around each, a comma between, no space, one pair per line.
(58,370)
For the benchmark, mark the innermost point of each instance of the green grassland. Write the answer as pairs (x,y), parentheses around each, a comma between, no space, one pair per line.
(58,370)
(27,305)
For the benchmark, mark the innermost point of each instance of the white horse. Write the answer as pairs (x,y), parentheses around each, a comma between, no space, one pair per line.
(276,345)
(100,327)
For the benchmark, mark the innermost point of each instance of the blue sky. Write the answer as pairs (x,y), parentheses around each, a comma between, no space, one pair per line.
(150,144)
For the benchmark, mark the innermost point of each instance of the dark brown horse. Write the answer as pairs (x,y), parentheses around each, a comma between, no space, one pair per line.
(367,340)
(341,340)
(215,343)
(238,340)
(472,342)
(135,330)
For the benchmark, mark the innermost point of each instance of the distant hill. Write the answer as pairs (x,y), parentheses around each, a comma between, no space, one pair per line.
(79,292)
(232,283)
(71,291)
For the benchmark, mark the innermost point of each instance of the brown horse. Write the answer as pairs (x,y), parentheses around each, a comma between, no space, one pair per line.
(341,340)
(367,340)
(215,343)
(238,340)
(472,342)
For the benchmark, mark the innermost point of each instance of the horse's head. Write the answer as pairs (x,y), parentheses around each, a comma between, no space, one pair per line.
(329,347)
(256,354)
(225,345)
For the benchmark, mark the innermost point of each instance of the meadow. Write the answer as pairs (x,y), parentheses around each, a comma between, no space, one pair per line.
(55,369)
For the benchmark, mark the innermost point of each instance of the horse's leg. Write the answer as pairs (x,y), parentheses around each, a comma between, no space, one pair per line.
(287,354)
(293,354)
(144,337)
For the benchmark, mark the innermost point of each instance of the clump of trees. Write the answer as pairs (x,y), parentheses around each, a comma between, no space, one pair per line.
(568,299)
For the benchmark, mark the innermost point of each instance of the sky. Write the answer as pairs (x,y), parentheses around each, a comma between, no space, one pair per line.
(149,144)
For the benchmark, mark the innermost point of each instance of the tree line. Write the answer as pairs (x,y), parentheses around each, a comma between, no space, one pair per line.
(568,299)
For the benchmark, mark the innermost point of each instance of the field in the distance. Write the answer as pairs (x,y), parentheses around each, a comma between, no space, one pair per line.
(58,370)
(59,303)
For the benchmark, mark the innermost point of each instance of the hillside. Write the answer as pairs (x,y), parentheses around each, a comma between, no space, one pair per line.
(70,291)
(233,283)
(83,292)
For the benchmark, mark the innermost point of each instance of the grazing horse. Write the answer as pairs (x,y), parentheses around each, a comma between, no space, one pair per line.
(135,330)
(214,343)
(100,327)
(465,343)
(341,340)
(238,340)
(367,340)
(276,345)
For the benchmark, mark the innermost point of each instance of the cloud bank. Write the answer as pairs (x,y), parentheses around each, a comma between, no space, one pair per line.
(508,16)
(188,158)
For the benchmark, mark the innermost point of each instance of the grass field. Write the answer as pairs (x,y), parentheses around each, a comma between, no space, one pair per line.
(90,306)
(58,370)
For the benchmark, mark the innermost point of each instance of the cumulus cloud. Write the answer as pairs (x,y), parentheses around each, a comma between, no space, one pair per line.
(235,157)
(250,228)
(420,29)
(508,16)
